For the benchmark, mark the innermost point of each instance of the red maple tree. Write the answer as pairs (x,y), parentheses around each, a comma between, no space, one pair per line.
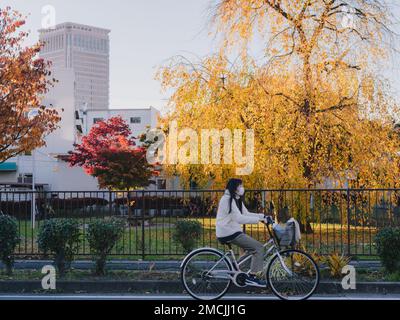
(110,154)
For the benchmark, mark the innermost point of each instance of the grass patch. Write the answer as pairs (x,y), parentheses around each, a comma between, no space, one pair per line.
(154,240)
(377,275)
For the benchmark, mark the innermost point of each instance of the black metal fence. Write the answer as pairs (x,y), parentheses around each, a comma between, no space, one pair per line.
(335,220)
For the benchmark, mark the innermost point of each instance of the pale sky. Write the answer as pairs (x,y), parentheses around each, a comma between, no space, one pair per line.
(144,35)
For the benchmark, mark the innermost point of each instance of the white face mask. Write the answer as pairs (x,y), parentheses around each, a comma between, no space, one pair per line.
(240,191)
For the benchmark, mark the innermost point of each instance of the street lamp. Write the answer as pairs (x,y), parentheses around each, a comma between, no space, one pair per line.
(33,113)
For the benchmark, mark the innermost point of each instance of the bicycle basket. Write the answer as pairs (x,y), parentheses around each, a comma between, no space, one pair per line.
(286,234)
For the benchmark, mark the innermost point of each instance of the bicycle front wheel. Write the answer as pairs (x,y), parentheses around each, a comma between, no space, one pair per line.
(293,275)
(205,274)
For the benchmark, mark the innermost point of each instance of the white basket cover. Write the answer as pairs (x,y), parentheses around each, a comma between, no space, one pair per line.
(285,234)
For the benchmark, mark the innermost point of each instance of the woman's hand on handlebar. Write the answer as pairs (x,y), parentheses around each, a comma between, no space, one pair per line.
(268,220)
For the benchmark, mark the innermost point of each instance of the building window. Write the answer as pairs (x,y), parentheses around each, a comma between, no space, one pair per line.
(25,178)
(161,184)
(136,120)
(95,120)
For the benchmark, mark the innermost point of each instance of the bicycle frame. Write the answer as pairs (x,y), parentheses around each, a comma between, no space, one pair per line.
(230,256)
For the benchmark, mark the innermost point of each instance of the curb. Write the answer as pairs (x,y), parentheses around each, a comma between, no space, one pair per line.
(165,286)
(172,265)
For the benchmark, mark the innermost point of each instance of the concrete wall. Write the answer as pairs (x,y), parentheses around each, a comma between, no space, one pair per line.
(148,117)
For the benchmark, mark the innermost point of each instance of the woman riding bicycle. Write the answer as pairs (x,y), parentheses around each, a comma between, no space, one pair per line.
(231,215)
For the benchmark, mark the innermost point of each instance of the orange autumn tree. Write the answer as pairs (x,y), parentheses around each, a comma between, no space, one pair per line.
(317,104)
(24,79)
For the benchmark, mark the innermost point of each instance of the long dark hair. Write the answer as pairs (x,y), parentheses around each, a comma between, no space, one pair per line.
(232,186)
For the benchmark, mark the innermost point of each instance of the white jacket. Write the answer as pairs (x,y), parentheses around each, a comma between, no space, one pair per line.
(229,223)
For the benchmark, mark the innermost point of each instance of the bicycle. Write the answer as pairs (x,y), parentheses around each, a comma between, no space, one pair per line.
(207,273)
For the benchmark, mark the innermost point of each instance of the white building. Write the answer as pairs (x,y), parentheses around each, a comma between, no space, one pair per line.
(138,119)
(79,107)
(86,50)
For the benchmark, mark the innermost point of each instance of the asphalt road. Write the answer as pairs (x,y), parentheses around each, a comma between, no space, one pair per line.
(185,297)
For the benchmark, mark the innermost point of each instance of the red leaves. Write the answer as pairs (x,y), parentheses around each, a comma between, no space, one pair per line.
(109,153)
(111,134)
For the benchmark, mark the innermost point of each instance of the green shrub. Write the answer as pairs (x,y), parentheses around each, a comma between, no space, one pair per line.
(61,238)
(332,214)
(187,233)
(388,247)
(8,241)
(103,235)
(393,277)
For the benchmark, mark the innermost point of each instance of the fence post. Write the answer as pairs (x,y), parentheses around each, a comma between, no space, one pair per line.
(143,229)
(348,222)
(109,202)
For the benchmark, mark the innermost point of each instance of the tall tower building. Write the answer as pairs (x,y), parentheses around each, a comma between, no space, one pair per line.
(85,50)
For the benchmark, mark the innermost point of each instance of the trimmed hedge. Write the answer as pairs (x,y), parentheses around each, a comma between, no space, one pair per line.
(388,247)
(61,237)
(187,233)
(103,235)
(9,238)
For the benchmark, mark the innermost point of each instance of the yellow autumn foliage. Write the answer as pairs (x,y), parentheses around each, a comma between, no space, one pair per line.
(319,109)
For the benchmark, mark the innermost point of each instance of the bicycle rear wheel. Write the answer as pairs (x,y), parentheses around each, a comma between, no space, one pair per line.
(293,275)
(205,274)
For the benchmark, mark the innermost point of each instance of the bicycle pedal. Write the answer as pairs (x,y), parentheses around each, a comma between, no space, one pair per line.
(254,284)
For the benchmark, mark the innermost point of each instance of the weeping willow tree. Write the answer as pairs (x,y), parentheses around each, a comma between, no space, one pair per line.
(317,102)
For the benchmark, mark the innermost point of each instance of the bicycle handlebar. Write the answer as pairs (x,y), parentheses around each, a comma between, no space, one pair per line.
(269,220)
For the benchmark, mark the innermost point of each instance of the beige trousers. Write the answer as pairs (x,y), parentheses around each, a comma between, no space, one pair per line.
(254,247)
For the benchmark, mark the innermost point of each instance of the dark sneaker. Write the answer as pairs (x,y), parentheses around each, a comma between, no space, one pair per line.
(255,282)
